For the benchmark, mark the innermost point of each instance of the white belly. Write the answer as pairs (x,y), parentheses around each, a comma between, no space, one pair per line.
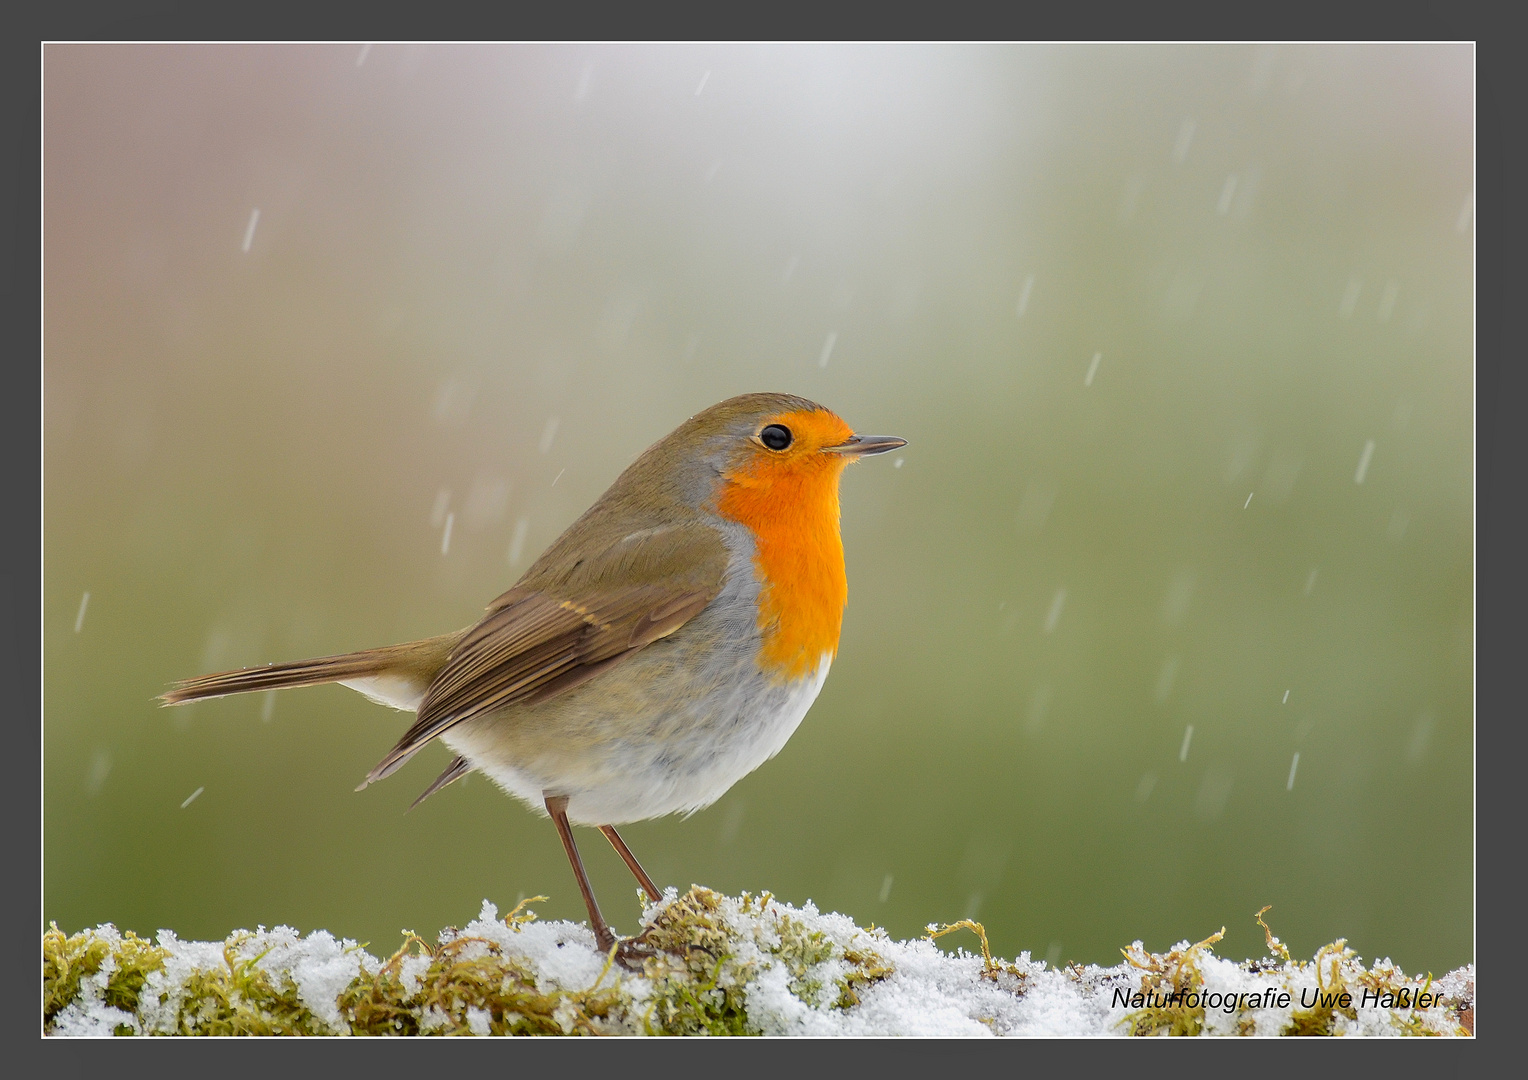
(682,768)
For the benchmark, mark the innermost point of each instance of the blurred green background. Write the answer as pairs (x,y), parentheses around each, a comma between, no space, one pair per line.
(1180,337)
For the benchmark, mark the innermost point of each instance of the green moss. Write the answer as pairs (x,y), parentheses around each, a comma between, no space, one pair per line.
(990,967)
(453,987)
(1165,974)
(66,961)
(866,969)
(1321,1019)
(467,983)
(699,977)
(242,998)
(801,950)
(697,980)
(471,975)
(1332,966)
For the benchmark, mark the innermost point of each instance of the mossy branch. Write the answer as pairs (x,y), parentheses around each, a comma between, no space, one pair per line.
(719,965)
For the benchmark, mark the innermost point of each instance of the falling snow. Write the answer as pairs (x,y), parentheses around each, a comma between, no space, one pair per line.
(1350,298)
(1363,462)
(438,512)
(517,541)
(1184,141)
(1466,214)
(1023,305)
(100,769)
(548,433)
(1387,301)
(827,349)
(1227,193)
(1053,616)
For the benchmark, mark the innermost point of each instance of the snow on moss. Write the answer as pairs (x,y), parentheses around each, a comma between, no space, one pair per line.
(718,965)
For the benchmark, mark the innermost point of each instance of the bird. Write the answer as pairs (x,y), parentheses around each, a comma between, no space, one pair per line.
(667,644)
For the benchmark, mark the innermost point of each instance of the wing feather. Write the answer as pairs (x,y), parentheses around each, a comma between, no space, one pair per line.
(546,636)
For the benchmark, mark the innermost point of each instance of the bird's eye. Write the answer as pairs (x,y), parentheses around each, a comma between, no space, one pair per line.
(776,436)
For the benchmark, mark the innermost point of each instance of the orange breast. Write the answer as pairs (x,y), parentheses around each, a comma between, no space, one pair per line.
(790,502)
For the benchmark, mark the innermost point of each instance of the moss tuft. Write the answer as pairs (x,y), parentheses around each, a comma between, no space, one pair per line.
(1172,975)
(698,985)
(67,962)
(702,965)
(468,986)
(243,998)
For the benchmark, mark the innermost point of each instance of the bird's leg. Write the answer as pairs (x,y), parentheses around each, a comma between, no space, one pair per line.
(557,806)
(633,950)
(631,863)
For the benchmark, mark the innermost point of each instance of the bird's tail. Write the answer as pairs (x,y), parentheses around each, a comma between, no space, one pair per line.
(395,675)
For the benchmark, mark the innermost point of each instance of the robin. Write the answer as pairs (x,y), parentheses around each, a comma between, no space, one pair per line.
(666,645)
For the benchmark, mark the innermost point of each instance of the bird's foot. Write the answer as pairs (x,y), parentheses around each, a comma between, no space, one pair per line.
(631,953)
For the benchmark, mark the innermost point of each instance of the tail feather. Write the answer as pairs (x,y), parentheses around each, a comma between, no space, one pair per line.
(458,768)
(417,661)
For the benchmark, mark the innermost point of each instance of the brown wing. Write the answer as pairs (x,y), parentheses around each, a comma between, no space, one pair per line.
(546,636)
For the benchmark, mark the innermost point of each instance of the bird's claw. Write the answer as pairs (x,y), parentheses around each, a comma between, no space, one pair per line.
(631,953)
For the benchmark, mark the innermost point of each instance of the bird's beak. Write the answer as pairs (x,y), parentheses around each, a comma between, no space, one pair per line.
(865,445)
